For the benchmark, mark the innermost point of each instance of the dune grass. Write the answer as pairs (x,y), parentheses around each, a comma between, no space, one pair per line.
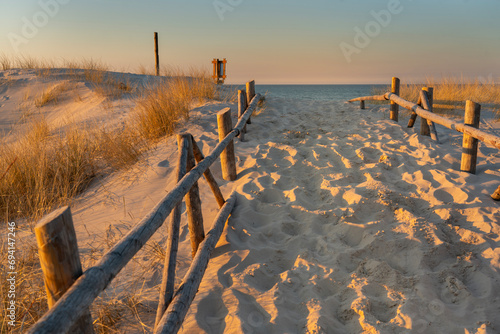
(51,168)
(31,301)
(162,105)
(450,94)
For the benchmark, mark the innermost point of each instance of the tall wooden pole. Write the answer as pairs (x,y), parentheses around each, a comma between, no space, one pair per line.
(227,159)
(395,106)
(157,56)
(60,260)
(470,144)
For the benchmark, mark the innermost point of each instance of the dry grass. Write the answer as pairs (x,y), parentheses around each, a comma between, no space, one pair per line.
(31,302)
(51,168)
(162,105)
(50,95)
(5,62)
(450,94)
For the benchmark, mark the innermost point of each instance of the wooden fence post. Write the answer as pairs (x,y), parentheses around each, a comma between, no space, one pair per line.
(227,159)
(157,56)
(470,144)
(242,106)
(208,175)
(250,94)
(413,117)
(362,104)
(395,106)
(60,260)
(427,104)
(168,278)
(192,199)
(424,125)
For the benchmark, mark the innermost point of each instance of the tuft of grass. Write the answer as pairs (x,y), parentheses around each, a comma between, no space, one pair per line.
(5,62)
(27,62)
(159,110)
(112,88)
(145,71)
(94,71)
(162,106)
(50,95)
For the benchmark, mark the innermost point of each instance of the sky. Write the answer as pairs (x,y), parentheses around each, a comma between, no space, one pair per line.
(273,42)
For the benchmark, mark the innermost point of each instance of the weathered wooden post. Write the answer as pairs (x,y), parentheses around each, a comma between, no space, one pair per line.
(168,278)
(413,117)
(395,106)
(157,56)
(60,260)
(242,106)
(192,198)
(470,144)
(427,104)
(496,194)
(362,104)
(250,88)
(227,158)
(208,175)
(424,125)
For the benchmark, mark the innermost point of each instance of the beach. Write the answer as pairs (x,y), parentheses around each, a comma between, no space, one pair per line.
(345,222)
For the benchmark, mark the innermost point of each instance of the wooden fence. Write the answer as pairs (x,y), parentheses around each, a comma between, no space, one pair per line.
(424,107)
(71,292)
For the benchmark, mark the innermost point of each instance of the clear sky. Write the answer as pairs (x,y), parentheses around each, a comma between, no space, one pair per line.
(292,41)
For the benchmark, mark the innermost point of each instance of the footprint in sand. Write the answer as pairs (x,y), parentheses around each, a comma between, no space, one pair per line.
(211,312)
(381,306)
(260,278)
(451,195)
(253,316)
(223,273)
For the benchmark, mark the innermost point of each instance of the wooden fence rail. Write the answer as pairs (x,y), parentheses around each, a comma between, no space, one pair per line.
(423,108)
(77,299)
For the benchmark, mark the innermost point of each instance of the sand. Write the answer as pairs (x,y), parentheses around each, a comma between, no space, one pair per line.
(345,222)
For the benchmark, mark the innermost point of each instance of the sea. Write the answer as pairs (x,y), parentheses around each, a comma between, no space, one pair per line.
(318,92)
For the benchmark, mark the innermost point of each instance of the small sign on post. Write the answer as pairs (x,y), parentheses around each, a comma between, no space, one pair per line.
(219,70)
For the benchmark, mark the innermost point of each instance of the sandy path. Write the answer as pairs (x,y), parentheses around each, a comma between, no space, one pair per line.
(347,222)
